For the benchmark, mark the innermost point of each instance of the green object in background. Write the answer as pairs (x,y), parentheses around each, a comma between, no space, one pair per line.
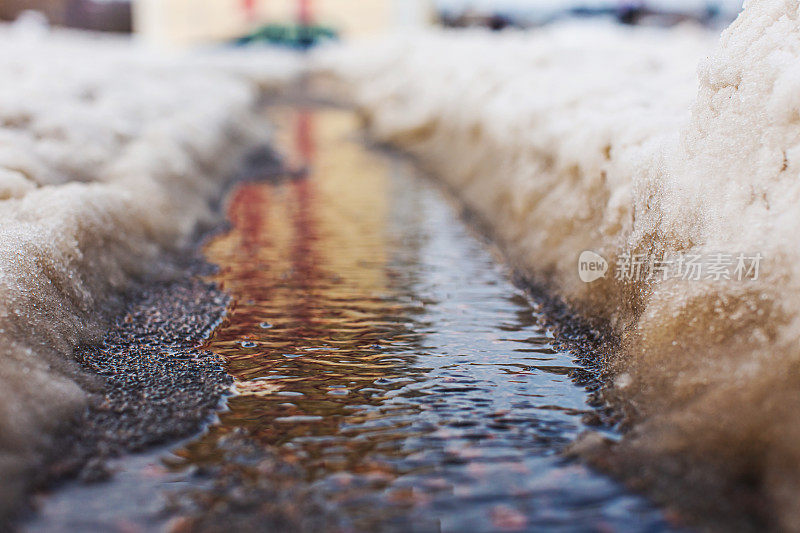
(293,35)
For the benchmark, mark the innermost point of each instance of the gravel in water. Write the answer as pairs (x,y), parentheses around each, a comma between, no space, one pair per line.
(156,386)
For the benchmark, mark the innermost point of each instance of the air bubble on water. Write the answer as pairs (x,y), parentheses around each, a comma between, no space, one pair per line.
(248,344)
(265,325)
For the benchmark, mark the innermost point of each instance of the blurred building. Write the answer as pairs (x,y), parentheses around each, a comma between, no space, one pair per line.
(499,14)
(181,22)
(100,15)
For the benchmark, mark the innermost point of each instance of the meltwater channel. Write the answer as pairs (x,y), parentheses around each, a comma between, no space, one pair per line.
(388,374)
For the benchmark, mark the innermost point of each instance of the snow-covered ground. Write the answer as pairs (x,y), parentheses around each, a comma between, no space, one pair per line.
(109,156)
(611,140)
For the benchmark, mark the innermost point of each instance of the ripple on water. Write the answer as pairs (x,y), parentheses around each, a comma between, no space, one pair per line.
(425,389)
(388,374)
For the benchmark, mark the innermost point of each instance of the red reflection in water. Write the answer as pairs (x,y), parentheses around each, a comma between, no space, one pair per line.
(246,212)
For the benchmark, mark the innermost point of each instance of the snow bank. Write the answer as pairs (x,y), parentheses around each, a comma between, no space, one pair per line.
(108,157)
(584,138)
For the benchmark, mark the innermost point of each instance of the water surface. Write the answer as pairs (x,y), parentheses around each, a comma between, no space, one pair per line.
(389,376)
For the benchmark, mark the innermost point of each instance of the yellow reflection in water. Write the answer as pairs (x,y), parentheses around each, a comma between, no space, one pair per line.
(324,233)
(313,320)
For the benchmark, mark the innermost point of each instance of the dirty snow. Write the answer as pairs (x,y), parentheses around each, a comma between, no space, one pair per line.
(109,156)
(614,140)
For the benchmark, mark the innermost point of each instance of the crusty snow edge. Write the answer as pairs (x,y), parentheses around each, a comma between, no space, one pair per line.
(596,138)
(109,156)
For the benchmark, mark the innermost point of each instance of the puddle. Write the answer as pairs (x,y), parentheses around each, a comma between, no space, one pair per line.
(389,376)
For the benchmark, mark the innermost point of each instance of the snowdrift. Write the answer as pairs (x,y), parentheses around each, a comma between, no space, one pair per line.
(109,156)
(578,138)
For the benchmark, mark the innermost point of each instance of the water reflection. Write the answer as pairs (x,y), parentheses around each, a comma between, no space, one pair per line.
(380,351)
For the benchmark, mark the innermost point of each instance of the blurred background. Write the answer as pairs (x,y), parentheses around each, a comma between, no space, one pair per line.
(303,23)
